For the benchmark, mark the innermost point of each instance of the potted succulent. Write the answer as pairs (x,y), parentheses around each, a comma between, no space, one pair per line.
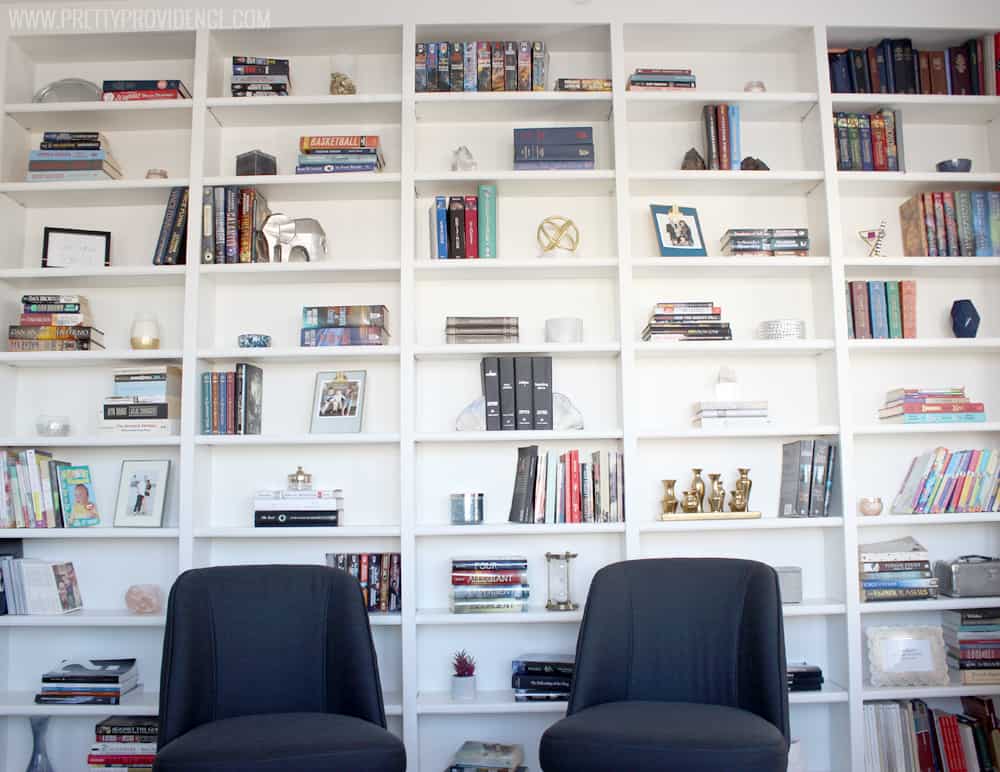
(463,682)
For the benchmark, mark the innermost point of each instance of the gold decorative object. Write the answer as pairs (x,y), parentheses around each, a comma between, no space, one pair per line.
(874,239)
(557,234)
(744,484)
(717,495)
(688,516)
(145,332)
(698,487)
(737,501)
(341,84)
(669,497)
(689,503)
(300,480)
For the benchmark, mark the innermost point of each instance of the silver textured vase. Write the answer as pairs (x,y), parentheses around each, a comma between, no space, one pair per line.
(39,761)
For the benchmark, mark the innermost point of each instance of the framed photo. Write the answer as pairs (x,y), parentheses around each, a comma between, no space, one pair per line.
(74,248)
(142,489)
(907,656)
(339,401)
(678,230)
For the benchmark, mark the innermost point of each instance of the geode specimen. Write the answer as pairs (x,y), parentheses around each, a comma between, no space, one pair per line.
(693,160)
(144,599)
(341,84)
(754,165)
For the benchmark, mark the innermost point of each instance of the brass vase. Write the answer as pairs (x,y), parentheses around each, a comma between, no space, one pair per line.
(737,501)
(690,502)
(669,497)
(717,496)
(744,484)
(698,488)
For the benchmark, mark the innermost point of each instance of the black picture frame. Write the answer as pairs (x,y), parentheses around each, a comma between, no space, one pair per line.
(48,232)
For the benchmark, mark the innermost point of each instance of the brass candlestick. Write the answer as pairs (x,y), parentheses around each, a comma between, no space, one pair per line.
(698,488)
(717,497)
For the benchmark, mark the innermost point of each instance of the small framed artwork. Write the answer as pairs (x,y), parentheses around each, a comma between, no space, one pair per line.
(74,248)
(76,496)
(678,230)
(339,401)
(142,489)
(907,656)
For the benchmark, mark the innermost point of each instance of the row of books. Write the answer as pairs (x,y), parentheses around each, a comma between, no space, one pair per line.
(555,147)
(146,400)
(808,470)
(961,223)
(232,402)
(583,84)
(482,329)
(478,756)
(687,320)
(481,66)
(321,508)
(943,481)
(560,488)
(54,323)
(143,90)
(869,141)
(171,244)
(803,677)
(769,242)
(912,736)
(723,145)
(31,586)
(517,392)
(659,79)
(542,677)
(88,682)
(464,226)
(931,406)
(260,76)
(489,585)
(972,638)
(40,491)
(730,414)
(898,569)
(363,325)
(335,153)
(881,309)
(378,574)
(894,66)
(125,743)
(72,156)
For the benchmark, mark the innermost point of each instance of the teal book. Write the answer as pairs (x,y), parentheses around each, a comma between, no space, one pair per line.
(994,201)
(963,214)
(206,403)
(937,418)
(878,309)
(895,310)
(981,223)
(487,221)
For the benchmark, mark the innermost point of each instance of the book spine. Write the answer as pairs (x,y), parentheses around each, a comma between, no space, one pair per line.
(509,66)
(491,392)
(520,506)
(574,511)
(208,225)
(711,137)
(862,320)
(722,126)
(891,141)
(854,137)
(231,224)
(456,227)
(865,134)
(166,227)
(994,210)
(940,229)
(735,137)
(541,372)
(312,144)
(523,398)
(439,228)
(484,73)
(880,157)
(206,403)
(487,221)
(951,223)
(471,227)
(981,224)
(456,55)
(245,225)
(877,306)
(539,65)
(497,69)
(843,142)
(432,67)
(524,65)
(553,152)
(963,213)
(508,407)
(469,58)
(894,309)
(420,68)
(930,227)
(176,246)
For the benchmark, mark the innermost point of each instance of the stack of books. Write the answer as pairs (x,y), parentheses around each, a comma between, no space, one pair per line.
(687,320)
(803,677)
(723,145)
(32,482)
(542,677)
(489,585)
(769,242)
(476,756)
(143,90)
(911,735)
(344,326)
(894,66)
(583,84)
(556,147)
(481,329)
(660,79)
(560,488)
(88,682)
(72,156)
(870,141)
(959,223)
(808,471)
(232,402)
(334,153)
(730,414)
(260,76)
(125,743)
(378,574)
(517,392)
(294,509)
(464,226)
(899,569)
(54,323)
(233,218)
(881,309)
(930,405)
(973,640)
(146,400)
(481,65)
(171,246)
(941,480)
(29,586)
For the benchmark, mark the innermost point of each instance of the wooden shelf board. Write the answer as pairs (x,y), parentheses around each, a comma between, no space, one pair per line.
(936,345)
(872,430)
(512,106)
(138,276)
(106,440)
(533,616)
(682,348)
(769,523)
(331,270)
(448,438)
(945,518)
(938,604)
(752,432)
(723,267)
(148,115)
(724,182)
(954,689)
(534,184)
(108,193)
(339,532)
(90,534)
(265,440)
(519,529)
(136,703)
(349,186)
(684,105)
(98,358)
(562,268)
(476,350)
(299,354)
(321,110)
(940,109)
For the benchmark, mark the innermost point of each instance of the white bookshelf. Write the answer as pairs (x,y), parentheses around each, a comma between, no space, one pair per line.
(635,396)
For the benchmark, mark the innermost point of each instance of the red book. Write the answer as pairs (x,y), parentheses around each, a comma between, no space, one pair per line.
(956,755)
(872,54)
(231,403)
(574,488)
(880,152)
(722,118)
(859,302)
(564,514)
(955,407)
(119,760)
(487,578)
(471,226)
(908,304)
(140,96)
(215,403)
(996,63)
(924,68)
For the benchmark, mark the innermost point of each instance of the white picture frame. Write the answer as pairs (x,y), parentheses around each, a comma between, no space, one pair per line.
(907,656)
(142,491)
(338,401)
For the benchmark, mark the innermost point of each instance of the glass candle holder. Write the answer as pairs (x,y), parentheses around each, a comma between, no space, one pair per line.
(558,569)
(145,333)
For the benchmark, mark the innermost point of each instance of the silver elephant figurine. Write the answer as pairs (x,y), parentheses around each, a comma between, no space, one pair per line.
(294,241)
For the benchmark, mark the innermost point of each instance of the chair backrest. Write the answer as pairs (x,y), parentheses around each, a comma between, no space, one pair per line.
(245,640)
(706,630)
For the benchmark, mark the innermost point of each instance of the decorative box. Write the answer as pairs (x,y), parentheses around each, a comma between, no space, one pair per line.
(254,340)
(256,162)
(790,583)
(969,576)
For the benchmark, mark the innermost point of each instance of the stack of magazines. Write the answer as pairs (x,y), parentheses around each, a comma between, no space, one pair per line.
(88,682)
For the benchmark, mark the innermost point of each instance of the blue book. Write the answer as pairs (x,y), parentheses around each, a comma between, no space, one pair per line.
(146,85)
(893,584)
(735,145)
(439,228)
(994,201)
(890,74)
(549,165)
(555,135)
(879,309)
(68,155)
(840,73)
(335,168)
(981,223)
(865,130)
(947,67)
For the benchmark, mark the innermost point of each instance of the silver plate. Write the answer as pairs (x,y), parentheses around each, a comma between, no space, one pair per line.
(69,90)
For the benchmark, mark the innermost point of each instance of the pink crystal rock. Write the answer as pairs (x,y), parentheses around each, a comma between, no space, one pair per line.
(144,599)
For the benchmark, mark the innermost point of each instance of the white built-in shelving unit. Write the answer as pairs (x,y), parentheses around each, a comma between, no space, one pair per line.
(635,397)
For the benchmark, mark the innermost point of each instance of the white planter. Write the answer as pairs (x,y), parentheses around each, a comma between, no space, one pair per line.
(463,688)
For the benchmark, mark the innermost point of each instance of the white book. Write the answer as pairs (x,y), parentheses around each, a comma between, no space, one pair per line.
(49,588)
(561,492)
(317,505)
(541,488)
(159,428)
(551,475)
(905,549)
